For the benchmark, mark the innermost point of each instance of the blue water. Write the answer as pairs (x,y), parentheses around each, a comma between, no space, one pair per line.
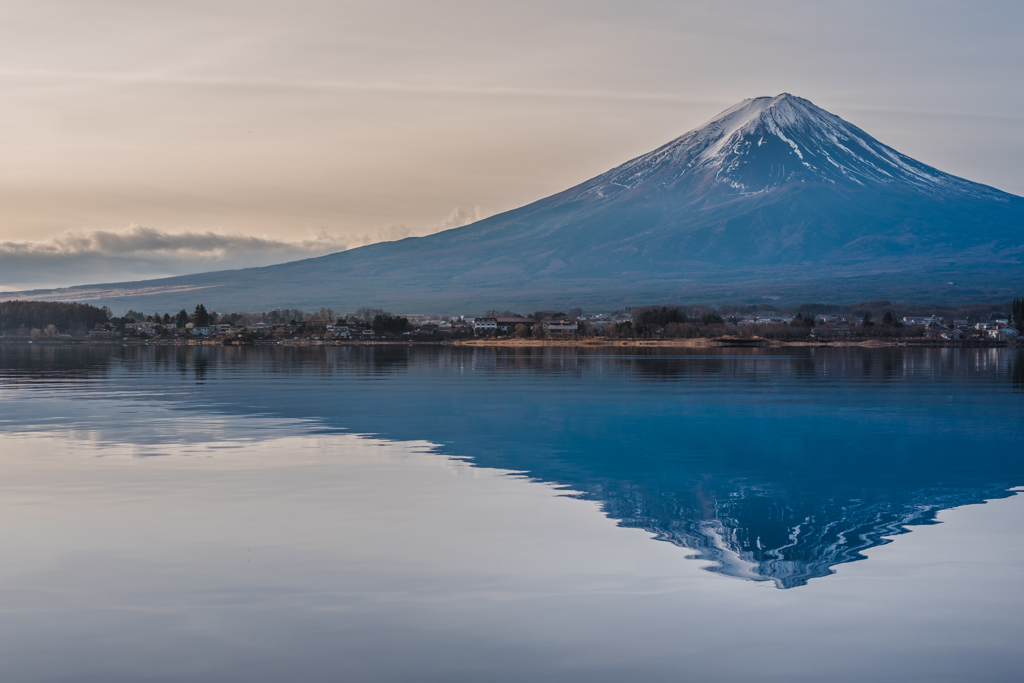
(435,513)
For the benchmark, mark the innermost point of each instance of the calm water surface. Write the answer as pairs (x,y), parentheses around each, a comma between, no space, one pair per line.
(440,514)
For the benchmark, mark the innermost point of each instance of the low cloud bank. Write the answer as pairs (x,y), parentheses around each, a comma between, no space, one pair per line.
(78,257)
(86,256)
(151,243)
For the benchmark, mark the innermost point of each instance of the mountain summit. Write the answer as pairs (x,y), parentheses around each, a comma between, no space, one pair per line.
(768,142)
(773,198)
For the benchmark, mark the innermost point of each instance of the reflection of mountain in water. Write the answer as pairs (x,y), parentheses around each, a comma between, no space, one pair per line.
(755,533)
(776,464)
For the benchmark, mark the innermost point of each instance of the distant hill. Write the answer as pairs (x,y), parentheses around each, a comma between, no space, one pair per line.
(774,199)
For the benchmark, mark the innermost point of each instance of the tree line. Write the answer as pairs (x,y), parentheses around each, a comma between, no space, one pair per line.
(63,318)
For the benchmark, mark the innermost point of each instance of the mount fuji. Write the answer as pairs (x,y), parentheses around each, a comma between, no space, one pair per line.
(774,198)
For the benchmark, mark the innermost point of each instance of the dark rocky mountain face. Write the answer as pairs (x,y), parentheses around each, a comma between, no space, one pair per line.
(773,197)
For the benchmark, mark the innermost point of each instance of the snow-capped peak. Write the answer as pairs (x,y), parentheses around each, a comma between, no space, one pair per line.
(726,125)
(764,143)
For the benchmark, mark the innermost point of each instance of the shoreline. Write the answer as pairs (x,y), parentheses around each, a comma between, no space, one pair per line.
(694,343)
(726,342)
(592,342)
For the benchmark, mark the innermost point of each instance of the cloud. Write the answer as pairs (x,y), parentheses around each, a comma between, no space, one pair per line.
(152,244)
(77,257)
(458,218)
(163,77)
(86,256)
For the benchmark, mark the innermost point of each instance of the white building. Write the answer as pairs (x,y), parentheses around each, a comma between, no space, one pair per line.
(930,320)
(485,324)
(1004,333)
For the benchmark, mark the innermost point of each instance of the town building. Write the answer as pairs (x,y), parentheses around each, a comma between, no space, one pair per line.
(925,321)
(561,328)
(1003,333)
(507,325)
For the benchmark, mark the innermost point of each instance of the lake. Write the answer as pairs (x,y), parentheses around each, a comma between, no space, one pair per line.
(457,514)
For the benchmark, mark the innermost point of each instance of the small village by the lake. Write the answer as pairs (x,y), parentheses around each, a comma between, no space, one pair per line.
(872,322)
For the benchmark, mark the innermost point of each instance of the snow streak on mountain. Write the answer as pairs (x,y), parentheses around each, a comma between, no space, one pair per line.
(766,142)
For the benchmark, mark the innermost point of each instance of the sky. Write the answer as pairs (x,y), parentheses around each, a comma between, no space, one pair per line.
(145,138)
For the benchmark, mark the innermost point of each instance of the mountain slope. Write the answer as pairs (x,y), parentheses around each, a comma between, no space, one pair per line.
(774,197)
